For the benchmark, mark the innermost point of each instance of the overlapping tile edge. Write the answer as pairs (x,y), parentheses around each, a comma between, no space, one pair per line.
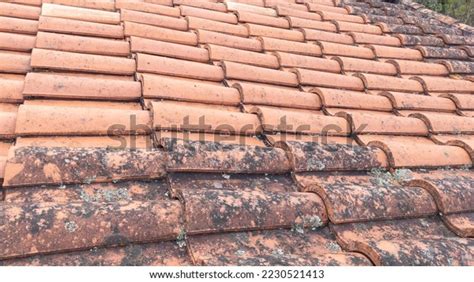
(61,174)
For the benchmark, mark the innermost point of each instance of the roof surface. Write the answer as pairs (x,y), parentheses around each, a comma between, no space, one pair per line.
(250,132)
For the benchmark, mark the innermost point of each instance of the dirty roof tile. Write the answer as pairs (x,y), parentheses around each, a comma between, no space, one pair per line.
(77,87)
(159,33)
(173,115)
(167,87)
(328,16)
(363,198)
(218,137)
(57,120)
(462,101)
(33,166)
(300,121)
(442,53)
(69,226)
(181,68)
(196,156)
(68,61)
(276,247)
(400,150)
(311,156)
(462,223)
(343,26)
(325,79)
(156,254)
(459,67)
(273,44)
(218,53)
(453,190)
(212,211)
(264,94)
(365,38)
(258,74)
(132,141)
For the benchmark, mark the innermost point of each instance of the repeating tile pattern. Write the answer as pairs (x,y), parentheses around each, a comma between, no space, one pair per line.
(235,132)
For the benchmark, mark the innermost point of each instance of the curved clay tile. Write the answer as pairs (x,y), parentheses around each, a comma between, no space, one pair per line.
(462,224)
(77,27)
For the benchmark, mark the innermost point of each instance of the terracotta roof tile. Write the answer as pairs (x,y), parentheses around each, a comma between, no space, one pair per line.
(360,198)
(232,29)
(14,62)
(236,7)
(158,33)
(365,38)
(16,42)
(201,4)
(413,67)
(300,121)
(218,53)
(462,101)
(19,11)
(329,48)
(383,123)
(195,156)
(29,166)
(254,18)
(11,89)
(313,34)
(205,36)
(437,84)
(79,232)
(299,61)
(273,44)
(324,79)
(399,150)
(263,94)
(208,14)
(327,16)
(389,83)
(273,32)
(157,254)
(76,87)
(343,26)
(160,9)
(139,141)
(396,52)
(313,24)
(167,49)
(59,60)
(172,115)
(70,26)
(218,137)
(248,210)
(277,247)
(56,120)
(445,123)
(462,224)
(459,67)
(108,5)
(258,74)
(359,65)
(167,87)
(327,6)
(334,98)
(332,157)
(152,19)
(7,122)
(77,13)
(407,101)
(442,53)
(286,11)
(168,66)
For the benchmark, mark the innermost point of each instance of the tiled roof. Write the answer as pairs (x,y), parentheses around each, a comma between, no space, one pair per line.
(244,132)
